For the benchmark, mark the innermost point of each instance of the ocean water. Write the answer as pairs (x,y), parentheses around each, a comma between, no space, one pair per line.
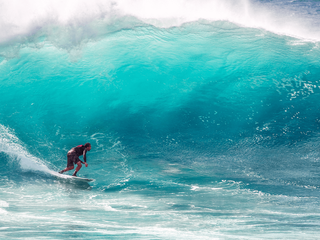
(204,119)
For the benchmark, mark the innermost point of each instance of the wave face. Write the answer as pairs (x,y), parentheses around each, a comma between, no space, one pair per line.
(203,123)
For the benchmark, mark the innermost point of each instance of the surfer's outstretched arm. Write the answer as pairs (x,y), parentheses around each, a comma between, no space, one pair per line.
(86,164)
(85,157)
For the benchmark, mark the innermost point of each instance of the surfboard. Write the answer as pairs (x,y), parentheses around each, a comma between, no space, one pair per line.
(82,179)
(70,178)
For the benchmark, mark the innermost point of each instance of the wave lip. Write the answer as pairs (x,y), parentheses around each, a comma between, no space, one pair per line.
(282,18)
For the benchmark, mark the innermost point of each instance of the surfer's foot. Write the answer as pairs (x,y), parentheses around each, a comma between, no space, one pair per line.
(74,174)
(61,171)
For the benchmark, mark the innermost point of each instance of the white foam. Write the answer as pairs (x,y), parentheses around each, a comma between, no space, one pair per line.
(193,188)
(2,211)
(109,208)
(4,204)
(27,17)
(11,145)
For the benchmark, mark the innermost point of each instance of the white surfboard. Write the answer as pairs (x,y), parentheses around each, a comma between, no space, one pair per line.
(70,178)
(79,179)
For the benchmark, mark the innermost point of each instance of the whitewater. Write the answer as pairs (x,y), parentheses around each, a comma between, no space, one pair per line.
(203,116)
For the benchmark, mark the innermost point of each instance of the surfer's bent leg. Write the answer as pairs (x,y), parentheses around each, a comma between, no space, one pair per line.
(71,160)
(78,168)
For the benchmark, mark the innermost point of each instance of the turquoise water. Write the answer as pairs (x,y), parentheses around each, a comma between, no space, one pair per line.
(201,128)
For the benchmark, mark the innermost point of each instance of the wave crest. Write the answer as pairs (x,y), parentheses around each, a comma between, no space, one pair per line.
(84,18)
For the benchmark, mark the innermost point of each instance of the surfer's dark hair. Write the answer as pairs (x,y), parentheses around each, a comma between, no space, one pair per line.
(87,145)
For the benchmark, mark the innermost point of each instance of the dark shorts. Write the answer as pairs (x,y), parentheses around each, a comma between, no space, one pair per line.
(72,159)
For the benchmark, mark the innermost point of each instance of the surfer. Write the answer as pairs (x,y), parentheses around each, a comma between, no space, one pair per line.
(73,158)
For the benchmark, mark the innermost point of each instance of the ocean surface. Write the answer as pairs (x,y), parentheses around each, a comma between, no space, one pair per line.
(204,119)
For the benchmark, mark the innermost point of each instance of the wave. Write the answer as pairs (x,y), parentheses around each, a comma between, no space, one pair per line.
(224,78)
(83,19)
(183,102)
(203,94)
